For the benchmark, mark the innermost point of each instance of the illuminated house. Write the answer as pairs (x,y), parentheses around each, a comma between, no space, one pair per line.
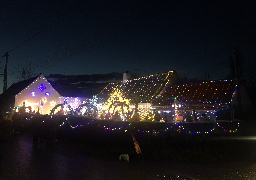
(202,101)
(41,94)
(203,94)
(159,95)
(143,89)
(129,96)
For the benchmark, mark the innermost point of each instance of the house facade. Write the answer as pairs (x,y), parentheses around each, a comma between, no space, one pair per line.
(154,97)
(40,96)
(201,101)
(162,97)
(131,99)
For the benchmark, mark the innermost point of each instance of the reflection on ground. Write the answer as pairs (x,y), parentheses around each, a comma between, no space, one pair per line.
(20,160)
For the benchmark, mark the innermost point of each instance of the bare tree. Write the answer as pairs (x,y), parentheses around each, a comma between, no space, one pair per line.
(25,73)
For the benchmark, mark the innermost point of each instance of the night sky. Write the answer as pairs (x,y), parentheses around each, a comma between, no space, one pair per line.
(143,37)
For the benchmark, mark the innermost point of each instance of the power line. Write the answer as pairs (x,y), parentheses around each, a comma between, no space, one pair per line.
(46,27)
(92,41)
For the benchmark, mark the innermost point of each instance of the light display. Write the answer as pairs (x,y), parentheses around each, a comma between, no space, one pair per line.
(84,109)
(146,114)
(36,96)
(65,100)
(53,103)
(156,89)
(58,109)
(141,90)
(41,87)
(180,128)
(72,106)
(75,103)
(78,125)
(43,101)
(94,100)
(87,108)
(117,105)
(213,93)
(30,107)
(66,109)
(120,100)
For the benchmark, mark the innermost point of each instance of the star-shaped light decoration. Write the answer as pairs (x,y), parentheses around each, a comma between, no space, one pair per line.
(53,103)
(41,87)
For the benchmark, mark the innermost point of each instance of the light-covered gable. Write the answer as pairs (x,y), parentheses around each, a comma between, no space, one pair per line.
(144,89)
(212,93)
(39,95)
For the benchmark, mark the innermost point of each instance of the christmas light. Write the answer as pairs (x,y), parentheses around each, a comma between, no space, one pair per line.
(41,87)
(175,126)
(53,103)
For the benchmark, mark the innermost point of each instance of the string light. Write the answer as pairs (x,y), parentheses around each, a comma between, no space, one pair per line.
(121,97)
(156,89)
(178,127)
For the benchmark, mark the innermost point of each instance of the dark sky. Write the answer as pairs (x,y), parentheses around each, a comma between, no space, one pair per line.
(143,37)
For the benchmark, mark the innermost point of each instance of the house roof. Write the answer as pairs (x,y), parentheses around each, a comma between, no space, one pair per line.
(79,89)
(144,89)
(81,85)
(15,88)
(160,90)
(67,86)
(7,98)
(212,92)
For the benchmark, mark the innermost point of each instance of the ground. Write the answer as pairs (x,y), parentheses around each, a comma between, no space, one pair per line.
(91,152)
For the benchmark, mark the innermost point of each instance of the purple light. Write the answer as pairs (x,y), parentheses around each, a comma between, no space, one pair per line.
(47,94)
(33,94)
(41,87)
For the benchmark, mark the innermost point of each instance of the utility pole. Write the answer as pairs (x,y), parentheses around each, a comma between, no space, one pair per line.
(5,72)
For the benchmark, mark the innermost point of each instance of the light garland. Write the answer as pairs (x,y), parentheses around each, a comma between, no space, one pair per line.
(117,104)
(176,126)
(78,125)
(156,90)
(145,89)
(179,128)
(212,93)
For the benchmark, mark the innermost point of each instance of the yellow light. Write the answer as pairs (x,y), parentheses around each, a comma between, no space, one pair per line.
(53,103)
(44,99)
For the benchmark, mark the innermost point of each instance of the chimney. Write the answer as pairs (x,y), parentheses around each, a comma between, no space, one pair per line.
(126,76)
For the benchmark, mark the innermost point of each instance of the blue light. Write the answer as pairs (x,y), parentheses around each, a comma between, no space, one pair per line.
(41,87)
(47,94)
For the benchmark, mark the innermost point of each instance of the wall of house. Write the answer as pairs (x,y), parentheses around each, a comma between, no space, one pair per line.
(39,95)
